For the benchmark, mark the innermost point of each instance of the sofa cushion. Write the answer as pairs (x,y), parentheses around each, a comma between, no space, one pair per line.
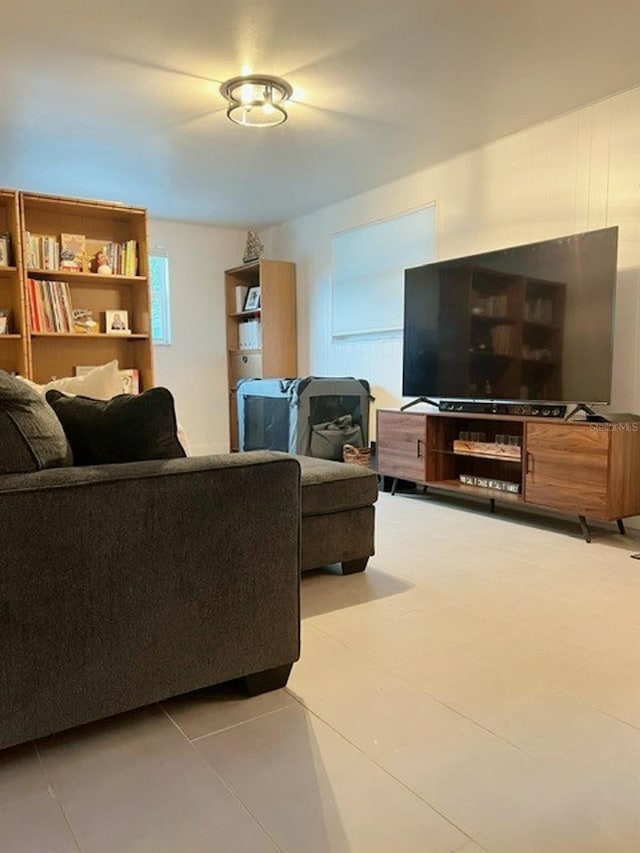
(335,486)
(31,437)
(101,383)
(127,428)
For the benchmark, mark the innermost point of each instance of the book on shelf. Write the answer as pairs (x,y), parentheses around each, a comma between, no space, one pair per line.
(250,334)
(501,339)
(130,378)
(75,253)
(539,311)
(5,249)
(50,305)
(494,305)
(43,251)
(241,295)
(121,257)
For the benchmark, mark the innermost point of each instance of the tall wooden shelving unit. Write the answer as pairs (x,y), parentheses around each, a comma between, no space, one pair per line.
(54,354)
(276,355)
(14,344)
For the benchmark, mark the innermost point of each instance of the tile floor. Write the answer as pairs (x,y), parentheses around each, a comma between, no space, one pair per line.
(477,689)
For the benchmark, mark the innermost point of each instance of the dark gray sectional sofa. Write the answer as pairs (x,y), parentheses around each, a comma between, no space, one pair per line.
(338,514)
(125,584)
(137,574)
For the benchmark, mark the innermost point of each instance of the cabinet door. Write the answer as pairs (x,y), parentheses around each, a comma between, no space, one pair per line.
(401,445)
(566,468)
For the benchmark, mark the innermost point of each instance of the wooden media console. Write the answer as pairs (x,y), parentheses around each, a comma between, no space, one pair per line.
(589,470)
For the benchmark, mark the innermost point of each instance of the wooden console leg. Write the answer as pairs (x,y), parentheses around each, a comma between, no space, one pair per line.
(269,679)
(585,528)
(350,567)
(620,524)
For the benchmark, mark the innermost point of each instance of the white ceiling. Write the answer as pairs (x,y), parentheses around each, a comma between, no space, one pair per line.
(119,99)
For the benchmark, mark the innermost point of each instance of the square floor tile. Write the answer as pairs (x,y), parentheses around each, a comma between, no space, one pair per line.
(315,792)
(215,708)
(134,784)
(21,773)
(35,825)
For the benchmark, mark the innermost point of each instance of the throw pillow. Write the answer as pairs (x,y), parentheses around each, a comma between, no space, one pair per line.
(184,441)
(101,383)
(31,436)
(128,428)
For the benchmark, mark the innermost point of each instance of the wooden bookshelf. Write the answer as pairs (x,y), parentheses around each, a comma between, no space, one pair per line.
(13,344)
(54,354)
(275,353)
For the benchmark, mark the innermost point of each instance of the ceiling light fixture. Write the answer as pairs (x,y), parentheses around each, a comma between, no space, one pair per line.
(256,100)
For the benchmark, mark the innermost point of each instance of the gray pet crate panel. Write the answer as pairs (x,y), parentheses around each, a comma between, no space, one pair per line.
(296,415)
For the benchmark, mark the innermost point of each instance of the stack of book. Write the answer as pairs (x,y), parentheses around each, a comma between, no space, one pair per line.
(501,339)
(123,257)
(250,334)
(43,252)
(539,311)
(494,305)
(70,252)
(50,303)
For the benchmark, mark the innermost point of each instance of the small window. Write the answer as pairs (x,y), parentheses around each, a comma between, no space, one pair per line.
(160,302)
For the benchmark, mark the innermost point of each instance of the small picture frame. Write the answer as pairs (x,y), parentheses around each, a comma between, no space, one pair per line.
(117,322)
(252,299)
(4,321)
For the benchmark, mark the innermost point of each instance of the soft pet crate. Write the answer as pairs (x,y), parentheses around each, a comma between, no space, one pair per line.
(312,416)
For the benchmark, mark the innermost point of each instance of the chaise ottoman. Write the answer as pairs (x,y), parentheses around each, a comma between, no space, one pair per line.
(338,516)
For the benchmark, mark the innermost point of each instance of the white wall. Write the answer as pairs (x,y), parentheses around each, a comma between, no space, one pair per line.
(574,173)
(194,366)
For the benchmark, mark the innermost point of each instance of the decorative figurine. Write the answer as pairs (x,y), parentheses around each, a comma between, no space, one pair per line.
(253,249)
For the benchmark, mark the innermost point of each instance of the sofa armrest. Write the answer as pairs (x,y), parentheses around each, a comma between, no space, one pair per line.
(124,584)
(96,474)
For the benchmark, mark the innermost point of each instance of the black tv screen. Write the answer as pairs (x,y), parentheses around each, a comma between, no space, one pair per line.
(531,322)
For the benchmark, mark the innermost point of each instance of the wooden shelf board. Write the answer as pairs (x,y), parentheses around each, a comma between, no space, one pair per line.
(96,208)
(86,277)
(241,314)
(487,450)
(480,416)
(251,267)
(10,337)
(486,354)
(7,271)
(494,318)
(499,457)
(79,336)
(475,491)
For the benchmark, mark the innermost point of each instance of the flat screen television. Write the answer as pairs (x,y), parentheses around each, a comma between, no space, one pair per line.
(530,323)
